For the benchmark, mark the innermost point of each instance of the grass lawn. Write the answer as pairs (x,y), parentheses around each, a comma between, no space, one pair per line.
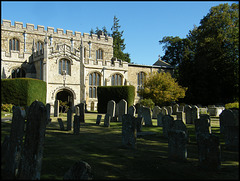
(101,147)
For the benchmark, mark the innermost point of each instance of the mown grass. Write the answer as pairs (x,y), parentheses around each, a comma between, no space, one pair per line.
(101,147)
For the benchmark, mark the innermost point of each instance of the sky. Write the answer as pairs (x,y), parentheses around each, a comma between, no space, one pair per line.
(144,23)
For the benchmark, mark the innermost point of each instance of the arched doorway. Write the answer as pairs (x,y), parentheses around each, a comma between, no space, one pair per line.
(65,97)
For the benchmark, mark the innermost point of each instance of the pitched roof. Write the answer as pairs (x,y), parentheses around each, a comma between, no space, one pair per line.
(159,62)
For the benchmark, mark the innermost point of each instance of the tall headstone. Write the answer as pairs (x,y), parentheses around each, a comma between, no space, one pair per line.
(202,125)
(82,112)
(13,152)
(156,111)
(31,162)
(56,108)
(76,125)
(175,108)
(177,145)
(69,119)
(81,170)
(132,110)
(195,113)
(111,110)
(107,120)
(122,109)
(48,107)
(60,122)
(188,114)
(129,131)
(98,121)
(181,116)
(77,110)
(164,111)
(146,114)
(159,119)
(168,122)
(170,111)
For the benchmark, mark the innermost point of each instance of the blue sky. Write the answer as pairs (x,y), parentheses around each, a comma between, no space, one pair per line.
(144,22)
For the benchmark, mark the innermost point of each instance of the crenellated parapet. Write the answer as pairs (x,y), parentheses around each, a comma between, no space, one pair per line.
(30,28)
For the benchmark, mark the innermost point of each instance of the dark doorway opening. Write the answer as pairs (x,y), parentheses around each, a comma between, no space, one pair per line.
(65,98)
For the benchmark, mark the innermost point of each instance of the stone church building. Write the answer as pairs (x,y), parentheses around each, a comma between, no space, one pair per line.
(72,65)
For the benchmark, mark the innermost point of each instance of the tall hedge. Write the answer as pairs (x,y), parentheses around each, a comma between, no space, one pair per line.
(22,91)
(116,93)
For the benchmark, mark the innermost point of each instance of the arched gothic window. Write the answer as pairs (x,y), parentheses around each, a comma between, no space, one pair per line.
(18,73)
(39,46)
(99,54)
(117,79)
(141,79)
(64,65)
(14,44)
(94,82)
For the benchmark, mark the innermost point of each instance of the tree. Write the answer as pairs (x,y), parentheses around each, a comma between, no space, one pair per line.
(162,88)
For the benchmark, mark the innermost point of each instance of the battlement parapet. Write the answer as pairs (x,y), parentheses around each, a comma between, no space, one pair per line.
(107,63)
(18,26)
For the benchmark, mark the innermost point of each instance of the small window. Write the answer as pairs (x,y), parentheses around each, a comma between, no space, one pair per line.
(117,79)
(64,64)
(99,54)
(39,46)
(94,82)
(14,44)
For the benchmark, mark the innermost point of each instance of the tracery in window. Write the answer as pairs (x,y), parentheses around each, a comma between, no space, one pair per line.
(64,65)
(99,54)
(141,79)
(116,79)
(14,44)
(94,82)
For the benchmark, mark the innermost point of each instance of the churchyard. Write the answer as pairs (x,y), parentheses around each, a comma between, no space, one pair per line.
(119,150)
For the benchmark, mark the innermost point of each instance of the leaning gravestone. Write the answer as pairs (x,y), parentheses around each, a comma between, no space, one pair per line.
(146,114)
(69,119)
(76,125)
(129,131)
(13,152)
(188,114)
(202,125)
(107,120)
(98,121)
(209,151)
(61,124)
(31,161)
(168,122)
(122,109)
(132,110)
(177,145)
(79,171)
(156,111)
(159,119)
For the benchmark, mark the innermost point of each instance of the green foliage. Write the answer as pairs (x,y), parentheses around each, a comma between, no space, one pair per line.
(6,107)
(116,93)
(162,88)
(208,59)
(232,105)
(147,102)
(63,106)
(22,91)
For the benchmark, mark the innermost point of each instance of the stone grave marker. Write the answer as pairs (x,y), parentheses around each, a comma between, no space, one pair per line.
(175,109)
(77,110)
(132,110)
(168,122)
(202,125)
(146,114)
(31,161)
(188,114)
(111,110)
(81,170)
(156,111)
(122,109)
(129,131)
(170,111)
(69,119)
(181,116)
(177,145)
(82,112)
(195,113)
(98,121)
(164,111)
(76,125)
(160,119)
(60,124)
(139,122)
(56,108)
(107,120)
(48,107)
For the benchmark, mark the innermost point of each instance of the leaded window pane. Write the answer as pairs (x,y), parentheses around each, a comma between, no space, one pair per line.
(90,92)
(98,79)
(14,44)
(90,79)
(67,67)
(10,44)
(94,78)
(60,67)
(94,92)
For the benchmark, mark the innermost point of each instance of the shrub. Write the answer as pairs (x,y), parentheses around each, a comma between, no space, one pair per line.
(116,93)
(147,102)
(6,107)
(232,105)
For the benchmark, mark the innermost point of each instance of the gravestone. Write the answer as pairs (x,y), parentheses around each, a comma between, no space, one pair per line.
(177,145)
(56,108)
(164,111)
(98,121)
(179,125)
(60,124)
(168,122)
(48,107)
(188,114)
(69,119)
(175,109)
(181,116)
(156,111)
(215,111)
(170,111)
(209,151)
(31,161)
(77,110)
(159,119)
(132,110)
(82,112)
(129,131)
(229,126)
(81,170)
(111,106)
(107,120)
(76,125)
(115,118)
(195,113)
(202,125)
(146,114)
(181,108)
(13,152)
(139,122)
(122,109)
